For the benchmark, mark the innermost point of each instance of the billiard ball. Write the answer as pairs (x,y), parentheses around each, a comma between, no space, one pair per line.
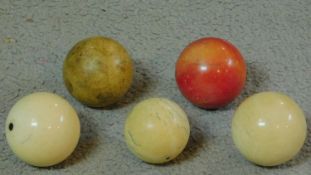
(98,71)
(42,129)
(269,128)
(210,72)
(157,130)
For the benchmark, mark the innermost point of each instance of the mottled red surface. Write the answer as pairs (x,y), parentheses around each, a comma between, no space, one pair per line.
(210,72)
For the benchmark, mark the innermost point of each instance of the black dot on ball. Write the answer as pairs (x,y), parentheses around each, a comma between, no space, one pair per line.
(11,126)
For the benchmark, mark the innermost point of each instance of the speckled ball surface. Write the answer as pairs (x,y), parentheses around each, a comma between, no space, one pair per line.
(98,71)
(157,130)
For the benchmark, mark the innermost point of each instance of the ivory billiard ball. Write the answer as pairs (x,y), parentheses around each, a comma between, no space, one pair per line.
(42,129)
(269,128)
(157,130)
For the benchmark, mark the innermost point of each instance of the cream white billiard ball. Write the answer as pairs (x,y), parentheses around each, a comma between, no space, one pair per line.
(42,129)
(269,128)
(157,130)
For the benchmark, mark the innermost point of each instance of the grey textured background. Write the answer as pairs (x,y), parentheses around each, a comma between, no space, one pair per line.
(274,37)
